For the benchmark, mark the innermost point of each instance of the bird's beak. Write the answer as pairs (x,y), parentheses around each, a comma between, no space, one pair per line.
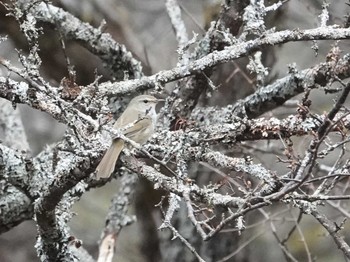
(160,100)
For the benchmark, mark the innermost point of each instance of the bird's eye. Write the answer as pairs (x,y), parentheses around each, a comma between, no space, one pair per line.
(145,101)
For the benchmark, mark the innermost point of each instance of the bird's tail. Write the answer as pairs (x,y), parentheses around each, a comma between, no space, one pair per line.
(106,167)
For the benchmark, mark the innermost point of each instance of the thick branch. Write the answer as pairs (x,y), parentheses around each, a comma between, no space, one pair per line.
(178,187)
(233,52)
(12,127)
(277,93)
(15,207)
(115,56)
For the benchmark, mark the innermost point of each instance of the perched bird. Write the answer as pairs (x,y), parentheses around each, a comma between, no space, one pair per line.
(141,116)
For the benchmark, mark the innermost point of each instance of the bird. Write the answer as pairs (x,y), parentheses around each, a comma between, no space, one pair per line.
(140,118)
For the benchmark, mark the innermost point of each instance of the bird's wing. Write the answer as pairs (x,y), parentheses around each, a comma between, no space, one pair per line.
(139,126)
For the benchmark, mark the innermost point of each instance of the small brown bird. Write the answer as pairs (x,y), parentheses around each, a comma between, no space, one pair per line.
(142,112)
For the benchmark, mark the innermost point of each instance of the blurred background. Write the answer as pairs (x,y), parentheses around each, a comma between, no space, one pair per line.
(145,29)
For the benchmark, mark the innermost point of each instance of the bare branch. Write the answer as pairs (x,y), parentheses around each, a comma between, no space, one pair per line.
(115,56)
